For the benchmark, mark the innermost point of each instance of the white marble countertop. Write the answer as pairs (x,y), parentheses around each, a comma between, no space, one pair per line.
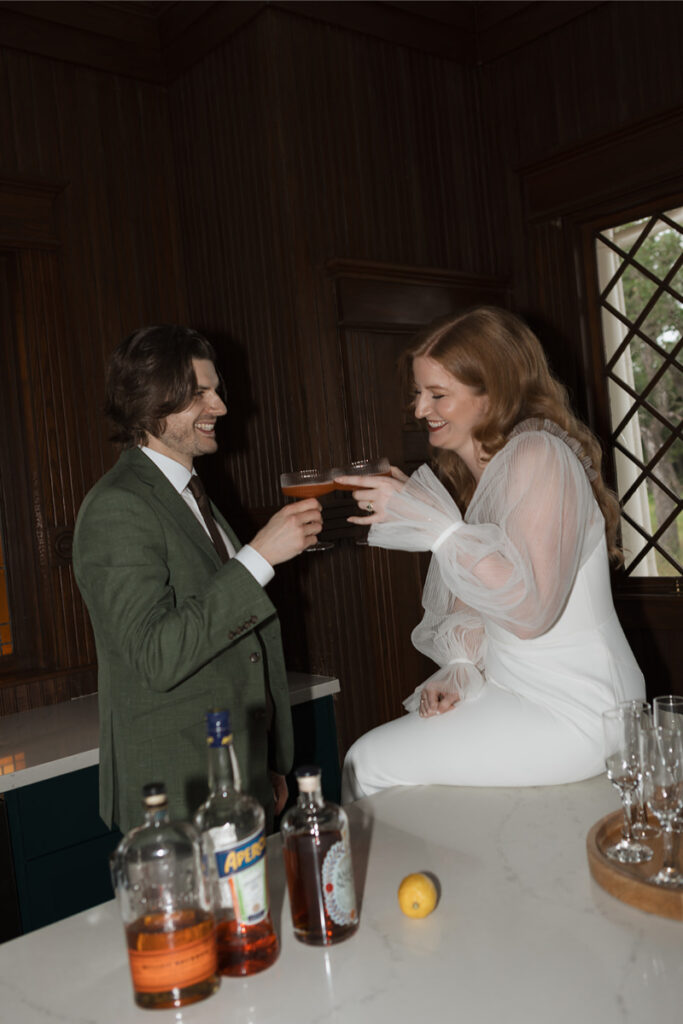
(522,934)
(45,742)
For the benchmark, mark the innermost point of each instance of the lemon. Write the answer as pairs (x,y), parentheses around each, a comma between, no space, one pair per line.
(417,895)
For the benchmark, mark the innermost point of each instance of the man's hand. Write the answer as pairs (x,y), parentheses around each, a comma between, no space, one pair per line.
(292,529)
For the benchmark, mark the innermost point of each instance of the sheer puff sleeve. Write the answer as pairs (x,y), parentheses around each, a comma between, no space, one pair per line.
(455,640)
(531,523)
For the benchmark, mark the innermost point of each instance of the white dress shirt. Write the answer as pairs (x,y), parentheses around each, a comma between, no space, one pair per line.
(179,477)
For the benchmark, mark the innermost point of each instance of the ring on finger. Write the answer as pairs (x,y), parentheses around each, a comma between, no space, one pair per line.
(369,507)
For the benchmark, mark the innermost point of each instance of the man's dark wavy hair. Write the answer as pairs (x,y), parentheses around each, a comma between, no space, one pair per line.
(150,376)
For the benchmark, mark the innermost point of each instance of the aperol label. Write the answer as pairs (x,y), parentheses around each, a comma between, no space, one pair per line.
(241,869)
(160,970)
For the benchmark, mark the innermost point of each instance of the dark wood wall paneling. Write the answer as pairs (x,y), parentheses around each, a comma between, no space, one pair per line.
(95,151)
(319,144)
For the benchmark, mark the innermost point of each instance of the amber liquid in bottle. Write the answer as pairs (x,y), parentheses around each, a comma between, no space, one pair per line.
(232,825)
(304,857)
(172,958)
(165,904)
(246,950)
(317,856)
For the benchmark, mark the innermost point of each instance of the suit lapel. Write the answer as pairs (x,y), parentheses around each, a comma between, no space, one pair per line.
(163,492)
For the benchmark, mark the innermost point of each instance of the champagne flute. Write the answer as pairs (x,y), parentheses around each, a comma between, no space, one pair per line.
(622,760)
(663,783)
(668,711)
(641,827)
(308,483)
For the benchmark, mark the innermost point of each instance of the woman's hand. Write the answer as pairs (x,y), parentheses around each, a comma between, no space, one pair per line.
(372,494)
(434,700)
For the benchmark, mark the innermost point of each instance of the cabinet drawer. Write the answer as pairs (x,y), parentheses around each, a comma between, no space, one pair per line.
(55,814)
(66,882)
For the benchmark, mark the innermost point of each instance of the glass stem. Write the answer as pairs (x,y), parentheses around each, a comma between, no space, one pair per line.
(667,849)
(639,814)
(627,830)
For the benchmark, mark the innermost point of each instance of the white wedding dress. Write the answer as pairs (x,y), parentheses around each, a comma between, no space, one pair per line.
(519,617)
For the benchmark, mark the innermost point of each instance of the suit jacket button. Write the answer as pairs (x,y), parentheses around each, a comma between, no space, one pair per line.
(253,658)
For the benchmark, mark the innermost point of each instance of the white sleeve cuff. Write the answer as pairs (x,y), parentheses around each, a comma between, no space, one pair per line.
(446,533)
(256,564)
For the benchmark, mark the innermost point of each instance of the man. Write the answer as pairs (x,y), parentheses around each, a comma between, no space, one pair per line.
(182,622)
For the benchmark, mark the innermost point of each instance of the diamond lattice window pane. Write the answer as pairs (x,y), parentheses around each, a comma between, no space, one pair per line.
(638,291)
(642,321)
(638,365)
(666,395)
(664,509)
(676,283)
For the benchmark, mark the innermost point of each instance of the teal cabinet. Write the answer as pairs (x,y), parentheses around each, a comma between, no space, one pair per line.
(315,742)
(60,847)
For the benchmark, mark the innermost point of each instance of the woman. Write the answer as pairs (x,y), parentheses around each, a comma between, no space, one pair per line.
(518,608)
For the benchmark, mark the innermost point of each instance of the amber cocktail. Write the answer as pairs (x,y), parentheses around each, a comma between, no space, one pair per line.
(362,467)
(308,483)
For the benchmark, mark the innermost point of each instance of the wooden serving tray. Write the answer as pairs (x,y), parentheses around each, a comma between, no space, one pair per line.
(628,882)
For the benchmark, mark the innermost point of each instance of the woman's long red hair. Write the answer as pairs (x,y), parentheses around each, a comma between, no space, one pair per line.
(497,354)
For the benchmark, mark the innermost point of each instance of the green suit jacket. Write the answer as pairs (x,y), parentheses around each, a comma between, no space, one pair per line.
(176,633)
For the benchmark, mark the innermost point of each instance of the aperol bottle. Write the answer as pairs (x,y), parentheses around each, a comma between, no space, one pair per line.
(317,855)
(165,904)
(232,829)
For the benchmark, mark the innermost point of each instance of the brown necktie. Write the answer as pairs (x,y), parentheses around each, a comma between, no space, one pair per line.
(197,488)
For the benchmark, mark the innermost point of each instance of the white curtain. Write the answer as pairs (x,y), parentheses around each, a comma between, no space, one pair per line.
(613,333)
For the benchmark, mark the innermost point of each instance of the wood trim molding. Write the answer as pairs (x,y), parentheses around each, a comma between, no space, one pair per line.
(641,157)
(157,40)
(391,297)
(397,24)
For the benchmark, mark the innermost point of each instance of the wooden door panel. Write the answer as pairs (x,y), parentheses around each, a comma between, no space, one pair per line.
(377,594)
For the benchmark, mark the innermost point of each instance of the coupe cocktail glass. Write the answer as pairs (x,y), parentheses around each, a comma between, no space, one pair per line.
(308,483)
(362,467)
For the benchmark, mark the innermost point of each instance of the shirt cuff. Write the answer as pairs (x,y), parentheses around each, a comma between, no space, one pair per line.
(446,533)
(256,564)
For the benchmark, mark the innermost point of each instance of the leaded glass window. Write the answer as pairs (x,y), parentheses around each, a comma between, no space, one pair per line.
(640,272)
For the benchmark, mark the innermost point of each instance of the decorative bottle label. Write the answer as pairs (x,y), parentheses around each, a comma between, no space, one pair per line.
(338,888)
(241,868)
(172,952)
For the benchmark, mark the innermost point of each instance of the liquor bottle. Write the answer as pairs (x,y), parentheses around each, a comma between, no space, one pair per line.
(165,904)
(232,830)
(317,855)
